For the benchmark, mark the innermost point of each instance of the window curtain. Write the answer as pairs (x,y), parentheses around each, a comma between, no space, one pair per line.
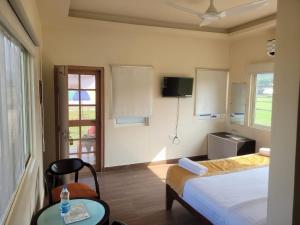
(131,91)
(211,91)
(12,154)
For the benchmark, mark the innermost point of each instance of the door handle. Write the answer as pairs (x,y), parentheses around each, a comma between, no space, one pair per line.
(65,134)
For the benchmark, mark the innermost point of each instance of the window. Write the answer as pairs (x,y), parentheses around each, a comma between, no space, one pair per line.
(15,117)
(131,94)
(262,99)
(238,103)
(211,93)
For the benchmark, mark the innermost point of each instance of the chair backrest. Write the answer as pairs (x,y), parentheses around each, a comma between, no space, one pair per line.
(63,167)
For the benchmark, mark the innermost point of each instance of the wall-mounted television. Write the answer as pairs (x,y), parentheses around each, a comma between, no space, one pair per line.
(177,86)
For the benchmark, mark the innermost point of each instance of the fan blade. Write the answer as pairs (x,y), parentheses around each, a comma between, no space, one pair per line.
(205,22)
(244,8)
(182,8)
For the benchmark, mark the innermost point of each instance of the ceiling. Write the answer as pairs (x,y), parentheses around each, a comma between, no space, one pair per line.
(158,13)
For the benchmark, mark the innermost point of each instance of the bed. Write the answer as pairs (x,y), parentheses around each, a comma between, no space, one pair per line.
(233,192)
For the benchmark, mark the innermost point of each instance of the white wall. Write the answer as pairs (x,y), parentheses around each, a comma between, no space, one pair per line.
(244,52)
(285,114)
(93,43)
(30,193)
(74,41)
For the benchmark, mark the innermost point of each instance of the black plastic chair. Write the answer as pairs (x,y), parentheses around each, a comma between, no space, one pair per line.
(118,223)
(55,172)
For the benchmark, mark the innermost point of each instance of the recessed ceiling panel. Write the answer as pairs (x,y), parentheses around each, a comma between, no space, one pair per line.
(158,10)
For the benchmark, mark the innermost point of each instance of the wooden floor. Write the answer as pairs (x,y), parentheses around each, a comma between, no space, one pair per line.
(137,197)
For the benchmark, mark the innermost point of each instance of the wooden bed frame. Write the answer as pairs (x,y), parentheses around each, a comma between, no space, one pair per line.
(171,195)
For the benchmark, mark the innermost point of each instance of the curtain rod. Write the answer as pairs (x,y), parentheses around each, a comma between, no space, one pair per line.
(11,37)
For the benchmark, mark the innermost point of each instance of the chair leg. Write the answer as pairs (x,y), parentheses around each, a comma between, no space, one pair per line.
(107,222)
(76,177)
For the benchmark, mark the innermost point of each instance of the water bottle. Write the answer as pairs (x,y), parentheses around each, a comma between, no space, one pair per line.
(64,201)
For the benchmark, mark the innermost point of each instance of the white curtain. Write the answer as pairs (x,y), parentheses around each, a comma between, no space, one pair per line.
(211,91)
(12,145)
(132,91)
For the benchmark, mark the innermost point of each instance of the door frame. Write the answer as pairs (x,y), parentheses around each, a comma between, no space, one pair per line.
(100,102)
(296,206)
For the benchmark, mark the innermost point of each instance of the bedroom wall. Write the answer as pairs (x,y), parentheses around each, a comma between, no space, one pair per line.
(244,52)
(30,193)
(285,115)
(84,42)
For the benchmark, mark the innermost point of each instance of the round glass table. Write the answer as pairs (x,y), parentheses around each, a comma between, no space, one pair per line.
(98,213)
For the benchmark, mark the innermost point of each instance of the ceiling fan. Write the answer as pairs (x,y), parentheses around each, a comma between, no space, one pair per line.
(212,14)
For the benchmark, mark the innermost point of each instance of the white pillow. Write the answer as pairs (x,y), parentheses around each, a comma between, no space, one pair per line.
(265,151)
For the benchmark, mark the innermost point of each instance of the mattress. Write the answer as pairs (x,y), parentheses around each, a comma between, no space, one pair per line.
(238,198)
(177,176)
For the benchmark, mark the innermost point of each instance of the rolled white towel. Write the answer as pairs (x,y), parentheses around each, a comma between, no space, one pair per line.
(265,151)
(192,166)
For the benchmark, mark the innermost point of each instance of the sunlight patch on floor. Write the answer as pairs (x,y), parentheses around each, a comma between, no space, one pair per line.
(160,171)
(162,155)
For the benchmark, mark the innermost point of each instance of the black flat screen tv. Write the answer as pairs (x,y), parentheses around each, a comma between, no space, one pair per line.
(177,86)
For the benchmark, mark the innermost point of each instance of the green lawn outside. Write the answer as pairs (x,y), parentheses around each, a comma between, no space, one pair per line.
(263,111)
(87,113)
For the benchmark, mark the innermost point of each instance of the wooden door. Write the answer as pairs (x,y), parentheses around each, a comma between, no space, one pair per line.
(80,109)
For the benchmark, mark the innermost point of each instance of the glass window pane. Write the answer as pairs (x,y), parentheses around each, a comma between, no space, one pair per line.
(88,81)
(16,105)
(73,156)
(73,112)
(263,118)
(88,145)
(73,97)
(263,99)
(74,132)
(88,97)
(89,158)
(73,81)
(88,112)
(88,132)
(73,146)
(264,83)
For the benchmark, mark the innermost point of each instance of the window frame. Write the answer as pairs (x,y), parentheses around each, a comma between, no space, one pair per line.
(27,113)
(27,92)
(28,96)
(254,70)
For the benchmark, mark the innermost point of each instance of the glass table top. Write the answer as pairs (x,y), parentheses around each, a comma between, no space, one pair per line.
(51,215)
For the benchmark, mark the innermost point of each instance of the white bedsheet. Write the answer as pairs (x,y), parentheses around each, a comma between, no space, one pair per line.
(231,199)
